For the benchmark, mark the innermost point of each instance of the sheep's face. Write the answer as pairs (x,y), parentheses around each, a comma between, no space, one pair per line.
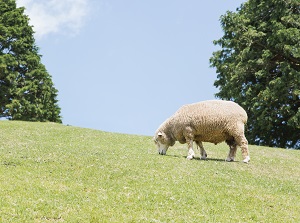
(161,142)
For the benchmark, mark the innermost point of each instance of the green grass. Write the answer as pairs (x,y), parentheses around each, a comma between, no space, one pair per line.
(55,173)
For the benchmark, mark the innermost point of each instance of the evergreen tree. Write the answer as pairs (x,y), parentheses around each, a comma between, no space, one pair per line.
(258,66)
(26,89)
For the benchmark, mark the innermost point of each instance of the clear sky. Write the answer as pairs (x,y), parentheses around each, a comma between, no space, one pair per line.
(126,66)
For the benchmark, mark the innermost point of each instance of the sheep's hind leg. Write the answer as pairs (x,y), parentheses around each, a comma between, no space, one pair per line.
(243,144)
(202,150)
(232,150)
(245,151)
(191,153)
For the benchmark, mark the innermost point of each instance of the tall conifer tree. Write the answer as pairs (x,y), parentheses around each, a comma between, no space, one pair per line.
(26,88)
(259,67)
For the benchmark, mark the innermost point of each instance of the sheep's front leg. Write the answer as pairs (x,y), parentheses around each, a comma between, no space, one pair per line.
(202,150)
(191,153)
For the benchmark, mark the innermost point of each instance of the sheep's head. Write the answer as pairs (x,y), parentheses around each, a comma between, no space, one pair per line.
(162,142)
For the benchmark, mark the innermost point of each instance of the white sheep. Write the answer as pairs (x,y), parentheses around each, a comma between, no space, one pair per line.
(212,121)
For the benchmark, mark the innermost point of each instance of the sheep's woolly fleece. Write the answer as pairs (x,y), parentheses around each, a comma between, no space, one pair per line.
(212,121)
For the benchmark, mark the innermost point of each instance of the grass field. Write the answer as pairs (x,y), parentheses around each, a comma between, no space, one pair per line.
(55,173)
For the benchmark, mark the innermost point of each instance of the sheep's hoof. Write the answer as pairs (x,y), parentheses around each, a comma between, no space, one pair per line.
(247,159)
(204,157)
(190,157)
(229,159)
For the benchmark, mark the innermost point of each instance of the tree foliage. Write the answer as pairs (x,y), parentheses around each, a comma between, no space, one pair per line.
(258,66)
(26,89)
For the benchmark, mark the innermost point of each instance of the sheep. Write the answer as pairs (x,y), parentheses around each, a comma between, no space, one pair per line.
(211,121)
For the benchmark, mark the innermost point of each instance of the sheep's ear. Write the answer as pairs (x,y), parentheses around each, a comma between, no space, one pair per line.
(159,134)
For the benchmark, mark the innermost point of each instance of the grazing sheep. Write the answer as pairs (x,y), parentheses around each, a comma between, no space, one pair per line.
(212,121)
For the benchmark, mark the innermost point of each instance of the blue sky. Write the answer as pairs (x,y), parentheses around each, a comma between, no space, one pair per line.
(126,66)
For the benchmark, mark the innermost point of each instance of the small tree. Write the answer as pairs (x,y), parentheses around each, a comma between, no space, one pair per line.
(259,67)
(26,89)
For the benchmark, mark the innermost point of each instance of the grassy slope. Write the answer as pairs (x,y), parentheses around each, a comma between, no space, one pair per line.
(55,173)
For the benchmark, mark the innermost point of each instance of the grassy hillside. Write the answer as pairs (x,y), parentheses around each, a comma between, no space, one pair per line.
(55,173)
